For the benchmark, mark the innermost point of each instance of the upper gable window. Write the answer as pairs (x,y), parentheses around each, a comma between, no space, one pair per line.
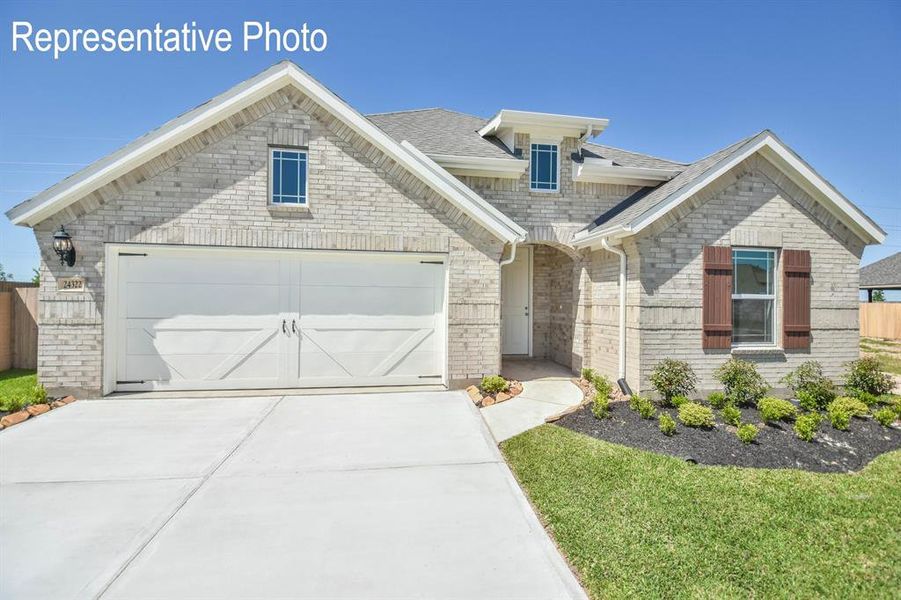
(543,168)
(288,176)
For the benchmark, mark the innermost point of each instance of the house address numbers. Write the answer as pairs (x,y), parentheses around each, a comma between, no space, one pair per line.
(70,284)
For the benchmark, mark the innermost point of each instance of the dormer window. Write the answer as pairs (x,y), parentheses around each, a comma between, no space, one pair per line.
(544,168)
(288,176)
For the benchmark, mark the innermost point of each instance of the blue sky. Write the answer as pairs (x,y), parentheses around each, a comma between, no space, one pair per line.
(678,80)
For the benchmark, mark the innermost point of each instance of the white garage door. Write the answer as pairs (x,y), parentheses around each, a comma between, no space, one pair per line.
(231,319)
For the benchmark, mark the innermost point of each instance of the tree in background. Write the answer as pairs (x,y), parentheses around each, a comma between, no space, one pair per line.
(36,278)
(878,296)
(4,276)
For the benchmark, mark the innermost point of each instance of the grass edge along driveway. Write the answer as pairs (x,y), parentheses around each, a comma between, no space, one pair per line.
(634,523)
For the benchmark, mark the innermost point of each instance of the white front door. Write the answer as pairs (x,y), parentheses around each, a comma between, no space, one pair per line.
(238,319)
(516,299)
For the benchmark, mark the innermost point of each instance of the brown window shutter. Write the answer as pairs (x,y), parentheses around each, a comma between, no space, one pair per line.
(716,309)
(795,299)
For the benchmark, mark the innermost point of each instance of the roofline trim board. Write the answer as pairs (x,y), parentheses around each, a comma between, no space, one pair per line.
(598,170)
(544,123)
(140,151)
(771,148)
(504,168)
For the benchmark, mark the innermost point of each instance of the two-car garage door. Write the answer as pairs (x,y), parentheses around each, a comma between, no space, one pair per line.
(238,319)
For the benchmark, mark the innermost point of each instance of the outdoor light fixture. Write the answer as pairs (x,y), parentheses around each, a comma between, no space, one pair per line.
(63,246)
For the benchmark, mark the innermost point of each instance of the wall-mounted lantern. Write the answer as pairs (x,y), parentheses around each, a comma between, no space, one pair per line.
(63,246)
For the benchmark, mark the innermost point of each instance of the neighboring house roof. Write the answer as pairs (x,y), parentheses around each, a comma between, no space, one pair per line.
(182,128)
(883,274)
(633,215)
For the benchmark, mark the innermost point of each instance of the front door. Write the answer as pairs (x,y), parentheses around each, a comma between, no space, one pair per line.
(516,300)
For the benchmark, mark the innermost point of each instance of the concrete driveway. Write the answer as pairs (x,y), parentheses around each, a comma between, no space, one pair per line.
(399,495)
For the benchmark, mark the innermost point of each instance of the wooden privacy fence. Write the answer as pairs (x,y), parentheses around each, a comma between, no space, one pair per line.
(881,320)
(18,326)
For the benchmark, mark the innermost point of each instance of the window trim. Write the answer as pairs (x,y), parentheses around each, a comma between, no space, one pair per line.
(531,163)
(774,297)
(271,187)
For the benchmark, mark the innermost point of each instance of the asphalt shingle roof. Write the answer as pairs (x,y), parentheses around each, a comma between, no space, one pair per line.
(627,158)
(631,208)
(885,272)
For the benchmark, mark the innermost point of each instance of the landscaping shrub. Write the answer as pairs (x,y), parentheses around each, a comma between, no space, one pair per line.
(38,394)
(673,378)
(643,406)
(746,433)
(588,374)
(668,425)
(865,375)
(602,386)
(15,402)
(776,409)
(842,409)
(677,401)
(806,425)
(731,415)
(600,406)
(693,414)
(493,384)
(885,415)
(741,381)
(717,399)
(811,388)
(865,397)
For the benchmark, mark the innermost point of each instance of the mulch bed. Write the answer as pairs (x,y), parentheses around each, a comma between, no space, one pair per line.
(776,446)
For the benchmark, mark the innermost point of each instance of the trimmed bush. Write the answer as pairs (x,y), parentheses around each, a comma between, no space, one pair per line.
(865,397)
(776,409)
(673,378)
(807,425)
(842,409)
(693,414)
(678,401)
(743,384)
(865,375)
(600,406)
(602,386)
(643,406)
(493,384)
(717,400)
(885,415)
(746,433)
(811,388)
(667,424)
(731,415)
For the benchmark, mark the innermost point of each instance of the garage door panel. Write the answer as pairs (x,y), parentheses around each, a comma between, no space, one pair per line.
(379,301)
(202,269)
(209,320)
(162,300)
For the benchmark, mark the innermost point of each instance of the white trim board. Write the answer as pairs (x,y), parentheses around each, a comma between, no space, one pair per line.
(180,129)
(783,158)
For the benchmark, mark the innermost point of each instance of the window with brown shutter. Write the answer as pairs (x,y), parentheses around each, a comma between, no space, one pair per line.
(716,309)
(795,299)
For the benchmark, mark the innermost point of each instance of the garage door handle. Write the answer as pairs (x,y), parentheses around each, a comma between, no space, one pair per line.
(293,325)
(284,326)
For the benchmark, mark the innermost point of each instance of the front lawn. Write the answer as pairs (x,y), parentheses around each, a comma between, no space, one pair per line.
(634,523)
(16,382)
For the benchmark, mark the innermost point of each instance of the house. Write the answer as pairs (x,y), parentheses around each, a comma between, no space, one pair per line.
(884,274)
(276,237)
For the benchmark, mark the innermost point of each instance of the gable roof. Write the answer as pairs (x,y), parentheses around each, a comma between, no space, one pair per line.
(636,215)
(68,191)
(882,274)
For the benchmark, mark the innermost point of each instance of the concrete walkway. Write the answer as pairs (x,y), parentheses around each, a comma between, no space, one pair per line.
(401,495)
(547,389)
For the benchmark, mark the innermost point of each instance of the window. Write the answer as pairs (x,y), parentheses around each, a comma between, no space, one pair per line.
(543,176)
(288,175)
(753,296)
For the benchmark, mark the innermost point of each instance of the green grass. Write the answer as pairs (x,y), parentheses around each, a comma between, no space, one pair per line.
(634,523)
(16,381)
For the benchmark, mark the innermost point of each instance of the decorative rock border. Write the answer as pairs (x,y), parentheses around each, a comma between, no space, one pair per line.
(33,410)
(484,399)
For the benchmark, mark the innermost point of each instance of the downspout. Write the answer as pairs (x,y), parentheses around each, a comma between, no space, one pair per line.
(621,375)
(585,138)
(507,261)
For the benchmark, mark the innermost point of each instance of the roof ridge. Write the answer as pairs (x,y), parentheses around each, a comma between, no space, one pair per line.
(413,110)
(654,156)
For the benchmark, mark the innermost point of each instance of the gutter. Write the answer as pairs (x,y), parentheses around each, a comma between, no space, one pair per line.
(621,372)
